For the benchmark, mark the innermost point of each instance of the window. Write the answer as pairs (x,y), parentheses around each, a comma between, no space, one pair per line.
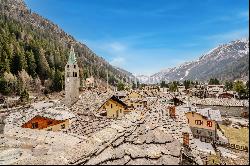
(74,74)
(210,133)
(188,120)
(35,125)
(49,129)
(63,126)
(67,66)
(120,111)
(198,122)
(111,106)
(209,124)
(50,122)
(68,73)
(74,66)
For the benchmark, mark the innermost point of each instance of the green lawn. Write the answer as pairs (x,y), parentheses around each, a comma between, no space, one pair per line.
(236,136)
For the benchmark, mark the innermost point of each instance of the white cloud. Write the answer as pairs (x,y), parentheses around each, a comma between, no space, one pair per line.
(232,17)
(115,47)
(118,61)
(229,36)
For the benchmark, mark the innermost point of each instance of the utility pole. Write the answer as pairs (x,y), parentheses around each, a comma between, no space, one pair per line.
(135,82)
(107,80)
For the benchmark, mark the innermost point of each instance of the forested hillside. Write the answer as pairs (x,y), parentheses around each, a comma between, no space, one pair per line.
(34,51)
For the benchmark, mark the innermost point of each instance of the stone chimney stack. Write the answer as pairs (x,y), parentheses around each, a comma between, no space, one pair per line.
(172,112)
(185,136)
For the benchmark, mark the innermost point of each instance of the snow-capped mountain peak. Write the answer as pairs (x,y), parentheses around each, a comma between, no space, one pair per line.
(226,61)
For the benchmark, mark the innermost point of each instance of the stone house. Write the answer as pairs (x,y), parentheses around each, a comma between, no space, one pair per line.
(113,108)
(121,94)
(134,94)
(204,123)
(90,82)
(136,103)
(214,89)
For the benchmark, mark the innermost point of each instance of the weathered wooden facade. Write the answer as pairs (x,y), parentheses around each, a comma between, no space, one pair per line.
(43,123)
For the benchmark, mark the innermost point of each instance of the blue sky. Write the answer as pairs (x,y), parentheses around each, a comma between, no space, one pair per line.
(145,36)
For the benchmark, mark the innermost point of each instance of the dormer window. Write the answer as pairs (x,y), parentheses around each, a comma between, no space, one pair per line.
(34,125)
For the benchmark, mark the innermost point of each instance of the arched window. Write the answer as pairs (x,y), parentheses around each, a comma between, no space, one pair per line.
(74,74)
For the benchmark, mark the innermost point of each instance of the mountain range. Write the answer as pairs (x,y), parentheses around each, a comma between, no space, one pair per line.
(228,61)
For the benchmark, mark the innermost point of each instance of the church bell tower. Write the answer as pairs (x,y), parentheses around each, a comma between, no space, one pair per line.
(72,80)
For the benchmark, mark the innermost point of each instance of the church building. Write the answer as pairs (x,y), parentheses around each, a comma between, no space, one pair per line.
(72,80)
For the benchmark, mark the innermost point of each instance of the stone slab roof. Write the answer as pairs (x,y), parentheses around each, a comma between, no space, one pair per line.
(20,117)
(206,112)
(149,137)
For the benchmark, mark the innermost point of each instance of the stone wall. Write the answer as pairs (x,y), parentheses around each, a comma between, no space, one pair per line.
(229,111)
(205,135)
(2,124)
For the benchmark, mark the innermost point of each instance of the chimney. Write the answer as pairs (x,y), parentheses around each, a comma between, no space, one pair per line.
(185,138)
(172,111)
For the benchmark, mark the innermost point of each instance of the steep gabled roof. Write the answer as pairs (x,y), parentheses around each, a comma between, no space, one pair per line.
(118,101)
(114,98)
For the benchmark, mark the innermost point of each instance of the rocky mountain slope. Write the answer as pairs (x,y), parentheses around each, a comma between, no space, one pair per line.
(90,62)
(225,62)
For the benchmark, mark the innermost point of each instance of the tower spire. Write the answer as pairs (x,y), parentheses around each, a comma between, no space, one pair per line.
(72,56)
